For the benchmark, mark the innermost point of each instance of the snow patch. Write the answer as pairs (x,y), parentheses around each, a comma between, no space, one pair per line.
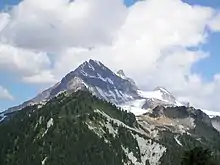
(85,85)
(2,117)
(105,79)
(178,142)
(44,161)
(113,96)
(134,106)
(84,73)
(102,94)
(163,90)
(49,124)
(211,114)
(135,110)
(151,94)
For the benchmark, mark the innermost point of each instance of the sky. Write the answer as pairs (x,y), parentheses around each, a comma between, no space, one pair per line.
(175,44)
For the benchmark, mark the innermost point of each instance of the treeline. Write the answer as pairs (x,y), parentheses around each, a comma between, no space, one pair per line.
(26,139)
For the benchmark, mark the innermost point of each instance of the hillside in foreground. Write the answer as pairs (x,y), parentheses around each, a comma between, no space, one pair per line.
(79,128)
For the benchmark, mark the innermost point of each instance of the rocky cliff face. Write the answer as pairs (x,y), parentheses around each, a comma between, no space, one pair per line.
(94,77)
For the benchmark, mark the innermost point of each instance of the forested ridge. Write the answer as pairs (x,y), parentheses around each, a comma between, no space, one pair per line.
(80,129)
(25,139)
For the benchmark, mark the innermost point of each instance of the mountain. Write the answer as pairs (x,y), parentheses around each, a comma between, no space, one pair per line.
(86,119)
(184,126)
(118,89)
(151,99)
(79,128)
(160,96)
(93,76)
(76,129)
(102,82)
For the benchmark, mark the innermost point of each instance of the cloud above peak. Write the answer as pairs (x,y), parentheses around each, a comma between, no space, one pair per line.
(4,94)
(156,42)
(215,22)
(54,25)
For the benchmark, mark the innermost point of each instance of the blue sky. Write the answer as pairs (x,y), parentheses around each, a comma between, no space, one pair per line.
(11,82)
(208,67)
(4,3)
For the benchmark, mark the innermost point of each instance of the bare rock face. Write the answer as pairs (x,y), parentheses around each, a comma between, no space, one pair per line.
(93,76)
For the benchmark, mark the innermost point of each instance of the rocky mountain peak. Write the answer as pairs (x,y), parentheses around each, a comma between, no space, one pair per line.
(166,95)
(100,81)
(92,68)
(93,76)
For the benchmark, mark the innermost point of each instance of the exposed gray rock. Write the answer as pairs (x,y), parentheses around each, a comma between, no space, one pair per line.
(93,76)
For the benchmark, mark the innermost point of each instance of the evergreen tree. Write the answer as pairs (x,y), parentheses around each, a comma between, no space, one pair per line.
(198,156)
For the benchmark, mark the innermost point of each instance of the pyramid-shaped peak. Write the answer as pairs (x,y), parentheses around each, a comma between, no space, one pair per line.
(92,68)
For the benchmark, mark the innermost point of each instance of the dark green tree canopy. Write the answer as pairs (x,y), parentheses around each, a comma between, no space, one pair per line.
(198,156)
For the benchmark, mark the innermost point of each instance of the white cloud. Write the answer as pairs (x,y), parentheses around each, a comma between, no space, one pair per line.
(45,77)
(4,94)
(53,25)
(152,41)
(152,46)
(22,61)
(35,28)
(215,23)
(4,20)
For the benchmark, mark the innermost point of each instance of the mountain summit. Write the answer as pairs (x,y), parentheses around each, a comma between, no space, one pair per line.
(92,76)
(166,95)
(117,88)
